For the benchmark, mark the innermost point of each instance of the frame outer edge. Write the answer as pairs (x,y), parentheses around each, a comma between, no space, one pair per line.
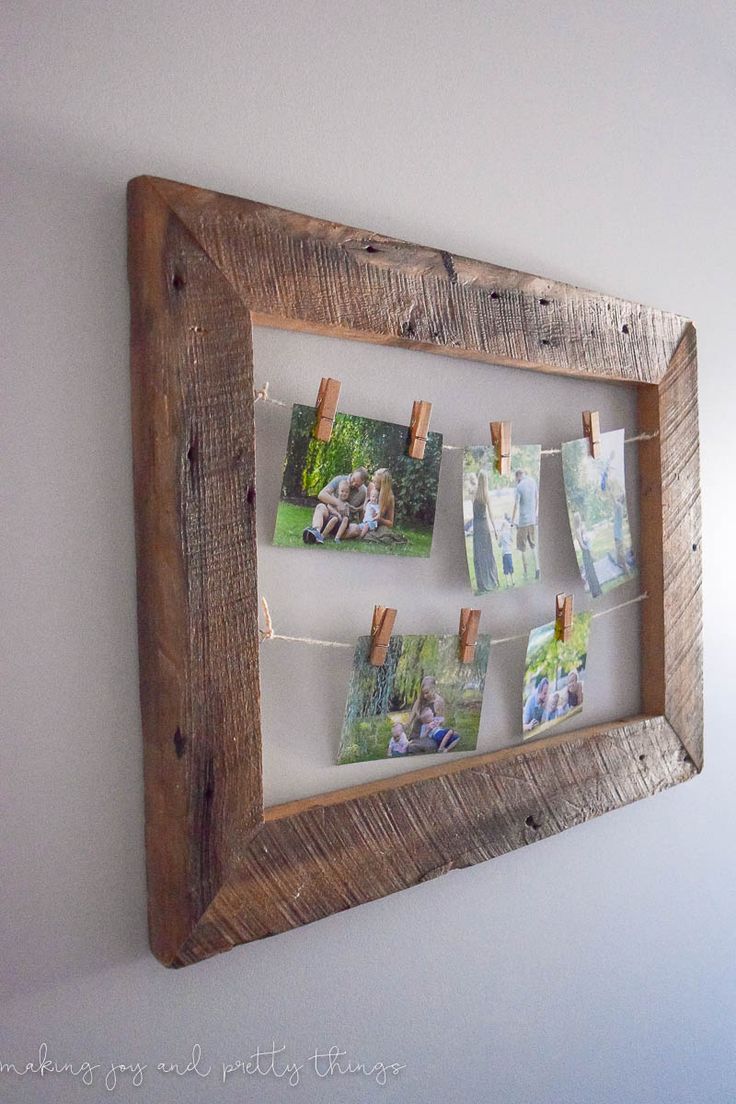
(317,275)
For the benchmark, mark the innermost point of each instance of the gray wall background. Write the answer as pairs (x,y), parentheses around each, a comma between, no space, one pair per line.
(588,143)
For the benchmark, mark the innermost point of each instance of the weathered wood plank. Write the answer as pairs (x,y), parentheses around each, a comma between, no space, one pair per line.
(334,854)
(305,273)
(673,644)
(194,470)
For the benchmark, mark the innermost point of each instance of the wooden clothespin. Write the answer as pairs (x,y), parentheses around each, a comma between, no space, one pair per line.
(381,629)
(592,430)
(421,412)
(501,440)
(469,622)
(563,617)
(327,397)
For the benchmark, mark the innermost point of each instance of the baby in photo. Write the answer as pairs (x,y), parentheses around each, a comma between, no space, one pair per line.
(444,738)
(398,743)
(371,512)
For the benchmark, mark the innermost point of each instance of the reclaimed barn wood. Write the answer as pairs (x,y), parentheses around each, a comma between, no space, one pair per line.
(203,269)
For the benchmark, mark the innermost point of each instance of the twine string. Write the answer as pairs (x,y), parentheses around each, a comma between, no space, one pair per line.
(261,394)
(268,633)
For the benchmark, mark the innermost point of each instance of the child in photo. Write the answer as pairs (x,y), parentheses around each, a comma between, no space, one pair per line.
(370,512)
(584,540)
(444,738)
(398,743)
(557,707)
(506,540)
(574,690)
(339,515)
(619,506)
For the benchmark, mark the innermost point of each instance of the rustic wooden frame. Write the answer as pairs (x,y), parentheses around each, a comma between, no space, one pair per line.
(203,268)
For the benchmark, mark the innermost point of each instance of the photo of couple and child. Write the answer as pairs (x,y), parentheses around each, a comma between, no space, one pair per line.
(359,491)
(503,509)
(422,701)
(554,676)
(596,506)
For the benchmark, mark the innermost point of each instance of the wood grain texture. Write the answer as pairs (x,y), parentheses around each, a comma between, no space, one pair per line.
(221,871)
(194,471)
(333,854)
(671,558)
(299,272)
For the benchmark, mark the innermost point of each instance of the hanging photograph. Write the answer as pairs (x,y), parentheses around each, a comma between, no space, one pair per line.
(596,507)
(500,518)
(554,676)
(359,491)
(422,700)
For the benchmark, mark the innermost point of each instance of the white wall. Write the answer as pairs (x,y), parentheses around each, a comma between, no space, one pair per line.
(589,142)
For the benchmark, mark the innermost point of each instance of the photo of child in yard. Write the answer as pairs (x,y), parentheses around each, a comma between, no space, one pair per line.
(422,700)
(553,677)
(500,518)
(596,506)
(359,491)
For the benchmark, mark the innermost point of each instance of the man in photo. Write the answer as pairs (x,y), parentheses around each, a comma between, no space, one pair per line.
(329,503)
(526,505)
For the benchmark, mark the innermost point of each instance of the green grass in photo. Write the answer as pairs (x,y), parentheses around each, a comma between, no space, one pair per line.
(367,737)
(292,520)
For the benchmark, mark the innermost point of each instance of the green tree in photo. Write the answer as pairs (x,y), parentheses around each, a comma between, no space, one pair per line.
(551,658)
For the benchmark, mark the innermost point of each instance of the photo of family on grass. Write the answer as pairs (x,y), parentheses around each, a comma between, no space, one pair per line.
(422,700)
(596,507)
(554,676)
(500,518)
(359,491)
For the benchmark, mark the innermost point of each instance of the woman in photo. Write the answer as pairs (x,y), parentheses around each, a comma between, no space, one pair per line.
(428,698)
(484,561)
(384,532)
(574,690)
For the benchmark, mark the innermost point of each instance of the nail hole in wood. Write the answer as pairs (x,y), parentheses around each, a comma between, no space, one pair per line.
(544,302)
(531,823)
(178,281)
(545,341)
(250,494)
(642,758)
(494,295)
(695,548)
(180,743)
(625,328)
(371,249)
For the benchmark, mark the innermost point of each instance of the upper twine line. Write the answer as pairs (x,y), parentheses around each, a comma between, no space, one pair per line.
(269,634)
(261,394)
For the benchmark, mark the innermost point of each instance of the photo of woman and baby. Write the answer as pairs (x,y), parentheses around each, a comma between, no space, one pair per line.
(422,701)
(360,491)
